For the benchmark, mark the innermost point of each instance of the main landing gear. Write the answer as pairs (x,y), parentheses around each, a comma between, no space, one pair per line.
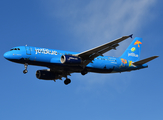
(25,71)
(67,81)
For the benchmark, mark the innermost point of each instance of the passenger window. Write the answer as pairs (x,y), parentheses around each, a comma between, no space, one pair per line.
(18,48)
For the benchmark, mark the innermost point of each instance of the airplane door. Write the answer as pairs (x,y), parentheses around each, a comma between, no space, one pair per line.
(28,50)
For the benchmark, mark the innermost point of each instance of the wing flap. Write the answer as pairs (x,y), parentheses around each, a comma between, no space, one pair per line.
(144,60)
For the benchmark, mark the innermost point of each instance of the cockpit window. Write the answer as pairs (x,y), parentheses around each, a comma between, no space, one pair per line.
(15,49)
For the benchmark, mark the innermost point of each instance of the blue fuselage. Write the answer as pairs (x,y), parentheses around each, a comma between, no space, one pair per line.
(51,58)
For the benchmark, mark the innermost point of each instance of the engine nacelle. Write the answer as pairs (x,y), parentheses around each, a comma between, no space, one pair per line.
(70,60)
(46,75)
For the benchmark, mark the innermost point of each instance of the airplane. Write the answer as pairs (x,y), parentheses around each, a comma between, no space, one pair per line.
(62,64)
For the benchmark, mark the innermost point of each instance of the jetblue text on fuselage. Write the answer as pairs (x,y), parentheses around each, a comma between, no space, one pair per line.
(45,51)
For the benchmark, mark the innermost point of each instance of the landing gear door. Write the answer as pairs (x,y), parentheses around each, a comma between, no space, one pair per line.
(28,50)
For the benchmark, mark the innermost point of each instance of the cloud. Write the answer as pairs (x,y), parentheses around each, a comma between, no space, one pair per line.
(100,21)
(95,22)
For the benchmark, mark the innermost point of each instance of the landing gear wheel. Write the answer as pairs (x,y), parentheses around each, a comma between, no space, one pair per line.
(25,71)
(67,81)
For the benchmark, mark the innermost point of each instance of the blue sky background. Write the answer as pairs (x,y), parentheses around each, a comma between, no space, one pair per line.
(78,25)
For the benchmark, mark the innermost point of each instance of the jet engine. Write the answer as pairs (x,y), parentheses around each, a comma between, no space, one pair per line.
(46,75)
(70,60)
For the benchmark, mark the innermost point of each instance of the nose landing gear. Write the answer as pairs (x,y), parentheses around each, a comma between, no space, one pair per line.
(25,71)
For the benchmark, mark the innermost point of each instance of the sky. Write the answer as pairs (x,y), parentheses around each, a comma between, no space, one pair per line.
(79,25)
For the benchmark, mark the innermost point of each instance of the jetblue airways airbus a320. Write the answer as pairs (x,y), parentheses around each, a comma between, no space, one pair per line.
(63,63)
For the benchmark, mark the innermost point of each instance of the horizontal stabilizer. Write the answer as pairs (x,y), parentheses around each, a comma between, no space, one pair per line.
(144,60)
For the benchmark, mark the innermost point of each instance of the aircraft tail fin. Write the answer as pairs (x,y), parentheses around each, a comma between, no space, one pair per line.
(132,53)
(144,61)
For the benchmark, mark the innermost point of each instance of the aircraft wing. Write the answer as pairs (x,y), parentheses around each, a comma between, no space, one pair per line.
(144,60)
(89,55)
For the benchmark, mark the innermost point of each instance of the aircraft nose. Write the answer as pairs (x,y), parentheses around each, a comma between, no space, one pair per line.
(6,55)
